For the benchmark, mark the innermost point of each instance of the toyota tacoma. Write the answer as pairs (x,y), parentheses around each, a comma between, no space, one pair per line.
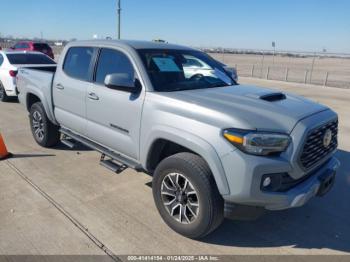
(209,143)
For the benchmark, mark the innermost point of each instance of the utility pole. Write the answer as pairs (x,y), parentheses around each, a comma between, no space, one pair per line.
(119,14)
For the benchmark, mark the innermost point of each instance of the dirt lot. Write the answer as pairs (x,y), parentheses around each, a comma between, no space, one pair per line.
(338,68)
(60,201)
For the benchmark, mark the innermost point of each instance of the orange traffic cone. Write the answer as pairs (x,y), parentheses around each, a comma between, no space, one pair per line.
(3,150)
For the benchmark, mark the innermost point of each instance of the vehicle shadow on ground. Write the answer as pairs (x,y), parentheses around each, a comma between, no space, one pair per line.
(30,155)
(12,100)
(322,223)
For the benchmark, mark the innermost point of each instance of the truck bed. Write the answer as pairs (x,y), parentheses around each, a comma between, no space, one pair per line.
(37,81)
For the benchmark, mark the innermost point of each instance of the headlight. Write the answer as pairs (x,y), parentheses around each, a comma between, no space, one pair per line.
(257,143)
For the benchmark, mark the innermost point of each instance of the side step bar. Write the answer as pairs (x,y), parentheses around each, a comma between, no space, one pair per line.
(67,142)
(110,164)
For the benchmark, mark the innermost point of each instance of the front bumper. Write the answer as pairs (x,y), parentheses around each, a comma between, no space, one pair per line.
(245,185)
(318,184)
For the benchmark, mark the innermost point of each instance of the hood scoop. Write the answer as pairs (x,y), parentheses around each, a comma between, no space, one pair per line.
(269,96)
(273,97)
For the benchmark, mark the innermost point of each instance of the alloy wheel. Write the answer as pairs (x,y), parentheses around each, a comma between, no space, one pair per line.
(38,125)
(180,198)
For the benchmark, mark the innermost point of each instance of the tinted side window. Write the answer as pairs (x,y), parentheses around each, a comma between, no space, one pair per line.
(28,59)
(1,60)
(18,46)
(25,46)
(77,62)
(112,61)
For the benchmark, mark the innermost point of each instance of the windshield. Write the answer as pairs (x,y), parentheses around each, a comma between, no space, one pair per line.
(174,70)
(29,59)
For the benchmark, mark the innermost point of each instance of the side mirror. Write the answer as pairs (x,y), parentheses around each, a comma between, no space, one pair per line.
(233,72)
(122,82)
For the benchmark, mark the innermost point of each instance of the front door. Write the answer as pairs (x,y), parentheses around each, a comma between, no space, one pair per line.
(114,116)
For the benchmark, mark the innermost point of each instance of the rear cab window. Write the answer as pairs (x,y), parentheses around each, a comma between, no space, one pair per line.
(1,59)
(77,62)
(29,59)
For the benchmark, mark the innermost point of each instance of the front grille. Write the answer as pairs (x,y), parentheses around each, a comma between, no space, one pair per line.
(314,150)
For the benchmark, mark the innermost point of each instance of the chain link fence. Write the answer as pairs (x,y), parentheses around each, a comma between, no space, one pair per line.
(331,70)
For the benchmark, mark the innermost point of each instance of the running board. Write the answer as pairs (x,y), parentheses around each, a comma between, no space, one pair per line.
(110,164)
(68,143)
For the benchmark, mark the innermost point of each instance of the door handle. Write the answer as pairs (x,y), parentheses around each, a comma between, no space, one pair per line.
(93,96)
(59,86)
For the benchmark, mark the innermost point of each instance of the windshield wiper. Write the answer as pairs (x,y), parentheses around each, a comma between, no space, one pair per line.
(218,85)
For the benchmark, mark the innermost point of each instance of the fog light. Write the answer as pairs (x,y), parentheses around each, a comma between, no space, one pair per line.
(271,182)
(267,181)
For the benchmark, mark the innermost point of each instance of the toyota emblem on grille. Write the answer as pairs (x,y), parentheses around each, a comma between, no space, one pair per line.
(327,138)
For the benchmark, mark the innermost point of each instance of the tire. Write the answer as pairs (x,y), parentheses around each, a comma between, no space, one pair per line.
(195,222)
(45,133)
(3,96)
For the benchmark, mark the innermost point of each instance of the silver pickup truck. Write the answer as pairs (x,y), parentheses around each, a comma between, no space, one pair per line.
(175,113)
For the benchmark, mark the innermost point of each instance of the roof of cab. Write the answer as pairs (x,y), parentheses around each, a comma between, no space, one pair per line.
(130,43)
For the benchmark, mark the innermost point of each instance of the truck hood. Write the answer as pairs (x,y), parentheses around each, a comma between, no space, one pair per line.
(246,107)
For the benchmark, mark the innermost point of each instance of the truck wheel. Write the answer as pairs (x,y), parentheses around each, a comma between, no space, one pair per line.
(44,131)
(3,96)
(186,195)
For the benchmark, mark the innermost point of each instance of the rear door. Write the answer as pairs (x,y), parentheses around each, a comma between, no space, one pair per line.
(70,86)
(114,116)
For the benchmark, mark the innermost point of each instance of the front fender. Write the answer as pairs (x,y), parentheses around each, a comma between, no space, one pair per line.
(192,142)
